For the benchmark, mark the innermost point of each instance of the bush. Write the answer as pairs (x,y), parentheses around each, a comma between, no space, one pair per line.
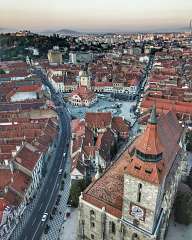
(183,208)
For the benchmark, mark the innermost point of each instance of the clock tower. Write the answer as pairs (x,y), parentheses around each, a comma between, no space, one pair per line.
(85,80)
(142,180)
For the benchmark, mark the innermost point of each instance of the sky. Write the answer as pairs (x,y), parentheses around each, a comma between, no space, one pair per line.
(95,15)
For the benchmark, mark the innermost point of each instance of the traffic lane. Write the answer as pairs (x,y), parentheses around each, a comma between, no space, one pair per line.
(38,211)
(43,199)
(50,204)
(38,226)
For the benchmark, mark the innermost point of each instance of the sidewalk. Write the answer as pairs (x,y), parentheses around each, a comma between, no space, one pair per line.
(179,232)
(69,228)
(58,218)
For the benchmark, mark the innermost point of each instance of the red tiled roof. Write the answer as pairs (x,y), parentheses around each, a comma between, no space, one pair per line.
(20,182)
(78,127)
(119,125)
(98,120)
(168,132)
(149,142)
(84,93)
(27,157)
(103,84)
(108,190)
(167,105)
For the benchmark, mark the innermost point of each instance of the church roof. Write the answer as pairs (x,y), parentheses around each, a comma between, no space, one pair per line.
(149,142)
(107,191)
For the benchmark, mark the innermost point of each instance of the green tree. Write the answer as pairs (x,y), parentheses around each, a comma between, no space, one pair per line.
(188,141)
(189,179)
(2,71)
(183,208)
(76,189)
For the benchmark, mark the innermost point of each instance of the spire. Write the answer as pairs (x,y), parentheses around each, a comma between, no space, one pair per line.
(153,116)
(148,145)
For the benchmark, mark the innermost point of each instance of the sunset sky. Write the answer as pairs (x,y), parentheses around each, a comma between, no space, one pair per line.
(97,15)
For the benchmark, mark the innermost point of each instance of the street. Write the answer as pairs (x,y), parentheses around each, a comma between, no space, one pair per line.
(34,226)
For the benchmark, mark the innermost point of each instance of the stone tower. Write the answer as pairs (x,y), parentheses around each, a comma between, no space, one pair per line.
(142,206)
(85,80)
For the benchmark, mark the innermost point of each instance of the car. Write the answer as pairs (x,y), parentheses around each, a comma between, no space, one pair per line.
(46,229)
(64,154)
(44,218)
(60,171)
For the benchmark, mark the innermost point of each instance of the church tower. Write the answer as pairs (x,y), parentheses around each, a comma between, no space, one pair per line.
(142,182)
(133,199)
(85,80)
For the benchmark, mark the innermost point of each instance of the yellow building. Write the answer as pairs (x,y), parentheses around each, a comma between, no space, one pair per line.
(55,57)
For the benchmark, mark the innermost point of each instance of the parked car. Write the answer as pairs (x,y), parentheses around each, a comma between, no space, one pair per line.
(46,229)
(44,218)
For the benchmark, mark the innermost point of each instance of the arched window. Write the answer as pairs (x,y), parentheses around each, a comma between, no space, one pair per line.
(92,215)
(92,236)
(139,192)
(135,236)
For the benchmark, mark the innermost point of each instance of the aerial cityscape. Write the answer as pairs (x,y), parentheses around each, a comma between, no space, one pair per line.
(96,120)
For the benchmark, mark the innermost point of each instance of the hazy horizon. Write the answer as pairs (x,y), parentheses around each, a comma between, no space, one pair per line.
(98,16)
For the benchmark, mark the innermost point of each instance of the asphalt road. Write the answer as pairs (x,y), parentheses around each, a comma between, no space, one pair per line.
(34,227)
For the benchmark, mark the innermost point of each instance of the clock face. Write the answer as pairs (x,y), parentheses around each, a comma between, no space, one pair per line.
(137,212)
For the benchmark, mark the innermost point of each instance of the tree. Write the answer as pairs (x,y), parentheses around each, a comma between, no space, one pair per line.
(76,189)
(189,179)
(183,208)
(188,141)
(2,71)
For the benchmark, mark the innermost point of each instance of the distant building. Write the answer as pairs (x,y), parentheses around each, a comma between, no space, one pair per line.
(80,57)
(23,33)
(55,57)
(83,95)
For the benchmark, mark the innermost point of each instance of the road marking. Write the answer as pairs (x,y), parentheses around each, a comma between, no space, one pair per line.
(41,206)
(45,208)
(34,221)
(47,190)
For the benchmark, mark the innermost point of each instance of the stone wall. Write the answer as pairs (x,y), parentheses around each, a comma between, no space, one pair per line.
(148,201)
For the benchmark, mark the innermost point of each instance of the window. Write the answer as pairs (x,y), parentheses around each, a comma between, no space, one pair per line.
(139,192)
(92,215)
(113,228)
(92,236)
(92,224)
(135,236)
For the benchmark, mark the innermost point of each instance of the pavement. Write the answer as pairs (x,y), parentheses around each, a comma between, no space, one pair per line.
(69,227)
(178,231)
(55,224)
